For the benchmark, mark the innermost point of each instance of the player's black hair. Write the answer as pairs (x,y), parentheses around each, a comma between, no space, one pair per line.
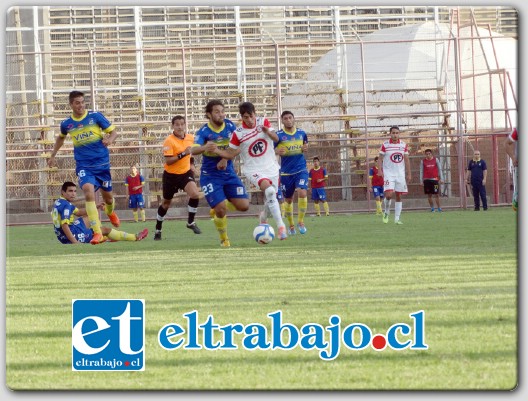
(211,104)
(428,150)
(394,127)
(175,118)
(66,185)
(316,158)
(73,95)
(286,112)
(246,107)
(376,158)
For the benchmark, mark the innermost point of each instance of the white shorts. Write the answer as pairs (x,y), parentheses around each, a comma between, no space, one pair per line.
(395,184)
(256,178)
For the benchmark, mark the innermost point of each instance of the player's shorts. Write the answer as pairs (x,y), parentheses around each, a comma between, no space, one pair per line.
(99,177)
(377,191)
(319,194)
(217,187)
(80,232)
(290,182)
(172,183)
(431,187)
(395,184)
(136,201)
(256,178)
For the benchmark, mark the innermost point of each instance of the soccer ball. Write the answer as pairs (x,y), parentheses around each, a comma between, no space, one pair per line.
(263,234)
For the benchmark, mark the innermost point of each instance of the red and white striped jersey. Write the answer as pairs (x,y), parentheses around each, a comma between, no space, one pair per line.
(257,150)
(393,158)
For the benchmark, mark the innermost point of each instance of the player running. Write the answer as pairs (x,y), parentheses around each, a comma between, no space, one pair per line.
(291,145)
(254,142)
(218,178)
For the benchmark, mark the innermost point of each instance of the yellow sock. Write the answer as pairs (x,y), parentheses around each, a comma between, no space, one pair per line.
(109,208)
(317,209)
(378,206)
(135,213)
(121,236)
(230,206)
(93,216)
(288,212)
(212,213)
(221,226)
(326,207)
(283,209)
(303,206)
(142,214)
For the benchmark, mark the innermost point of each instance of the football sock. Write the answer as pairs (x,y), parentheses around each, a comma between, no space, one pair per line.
(387,203)
(397,210)
(211,213)
(160,217)
(135,213)
(93,216)
(120,236)
(192,208)
(317,208)
(142,214)
(230,206)
(378,206)
(288,212)
(221,226)
(326,207)
(283,208)
(273,205)
(109,208)
(302,206)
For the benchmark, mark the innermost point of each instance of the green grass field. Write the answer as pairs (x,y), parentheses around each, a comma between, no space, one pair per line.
(460,267)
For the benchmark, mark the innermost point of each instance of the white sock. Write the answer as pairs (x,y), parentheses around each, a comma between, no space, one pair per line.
(397,210)
(387,203)
(273,205)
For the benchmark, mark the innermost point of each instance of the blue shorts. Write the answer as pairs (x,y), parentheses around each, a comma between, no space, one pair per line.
(135,201)
(219,187)
(80,232)
(377,191)
(290,182)
(319,194)
(99,177)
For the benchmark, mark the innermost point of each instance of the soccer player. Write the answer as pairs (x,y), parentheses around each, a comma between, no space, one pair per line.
(291,146)
(218,178)
(317,178)
(178,174)
(512,151)
(254,140)
(431,178)
(394,165)
(88,130)
(71,224)
(134,183)
(376,183)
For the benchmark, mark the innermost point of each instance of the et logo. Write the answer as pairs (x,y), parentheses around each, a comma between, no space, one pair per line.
(108,334)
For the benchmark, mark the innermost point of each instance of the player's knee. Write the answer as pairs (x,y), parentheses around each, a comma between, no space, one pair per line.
(270,192)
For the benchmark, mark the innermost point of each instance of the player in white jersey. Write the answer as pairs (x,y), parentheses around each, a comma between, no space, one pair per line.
(253,141)
(512,151)
(394,166)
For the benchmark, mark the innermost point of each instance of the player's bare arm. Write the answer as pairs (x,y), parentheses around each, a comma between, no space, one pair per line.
(110,138)
(58,144)
(228,153)
(66,229)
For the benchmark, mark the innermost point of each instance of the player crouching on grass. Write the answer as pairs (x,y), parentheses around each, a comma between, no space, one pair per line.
(71,224)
